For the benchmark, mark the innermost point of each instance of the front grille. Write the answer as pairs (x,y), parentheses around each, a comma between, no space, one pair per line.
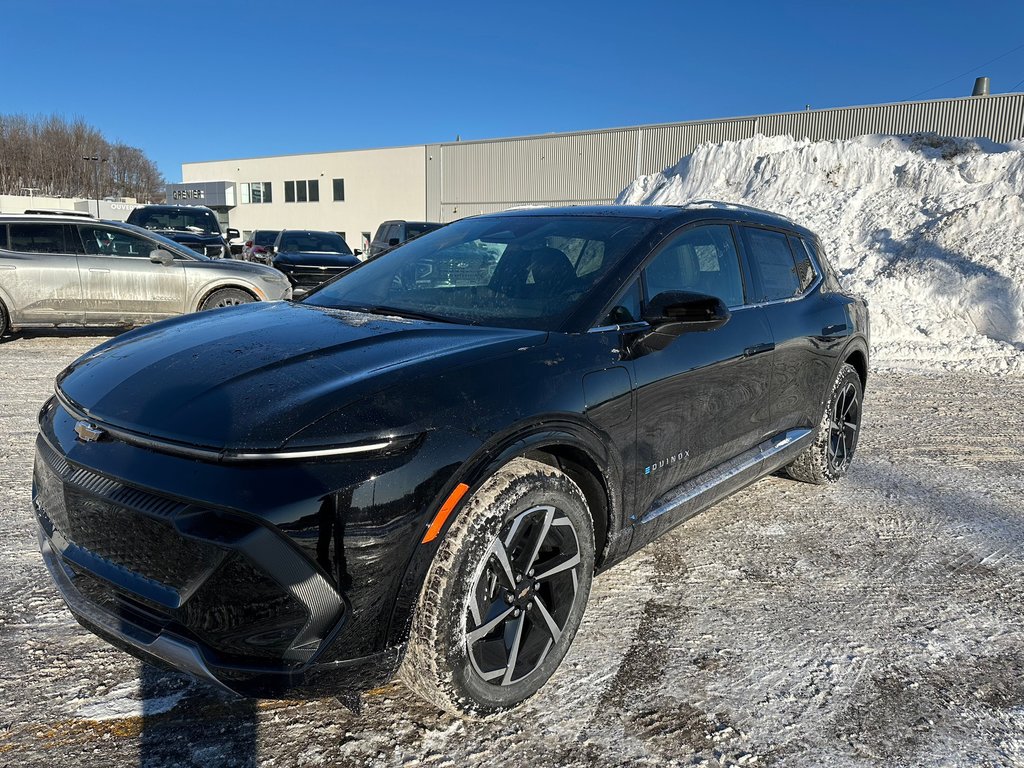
(125,526)
(311,276)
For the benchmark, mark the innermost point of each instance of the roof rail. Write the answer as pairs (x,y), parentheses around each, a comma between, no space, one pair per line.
(732,206)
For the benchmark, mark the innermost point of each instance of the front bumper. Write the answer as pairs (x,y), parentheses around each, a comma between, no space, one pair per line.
(225,596)
(167,649)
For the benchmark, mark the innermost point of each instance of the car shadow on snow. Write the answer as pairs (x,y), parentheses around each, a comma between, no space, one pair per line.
(187,722)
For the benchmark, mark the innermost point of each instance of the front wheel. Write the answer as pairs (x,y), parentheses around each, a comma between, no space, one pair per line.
(505,594)
(828,458)
(226,297)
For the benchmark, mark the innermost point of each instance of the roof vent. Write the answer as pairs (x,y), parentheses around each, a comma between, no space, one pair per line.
(980,87)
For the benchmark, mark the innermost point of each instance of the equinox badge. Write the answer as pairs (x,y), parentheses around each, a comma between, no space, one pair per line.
(88,433)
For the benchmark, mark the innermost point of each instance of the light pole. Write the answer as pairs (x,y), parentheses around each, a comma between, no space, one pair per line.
(96,160)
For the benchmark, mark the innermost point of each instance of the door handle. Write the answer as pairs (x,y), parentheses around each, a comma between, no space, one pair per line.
(833,330)
(99,271)
(757,349)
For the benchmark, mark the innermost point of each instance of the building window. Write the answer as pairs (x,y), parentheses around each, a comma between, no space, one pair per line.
(339,190)
(302,191)
(255,192)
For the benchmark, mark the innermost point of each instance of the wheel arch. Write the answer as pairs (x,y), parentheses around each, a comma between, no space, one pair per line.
(570,447)
(209,290)
(858,358)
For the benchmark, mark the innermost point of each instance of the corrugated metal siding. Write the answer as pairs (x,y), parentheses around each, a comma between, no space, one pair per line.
(594,166)
(432,158)
(567,167)
(662,146)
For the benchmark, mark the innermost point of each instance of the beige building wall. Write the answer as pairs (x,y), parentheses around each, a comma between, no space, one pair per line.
(380,184)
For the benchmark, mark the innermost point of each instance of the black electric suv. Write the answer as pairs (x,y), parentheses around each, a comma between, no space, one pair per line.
(420,467)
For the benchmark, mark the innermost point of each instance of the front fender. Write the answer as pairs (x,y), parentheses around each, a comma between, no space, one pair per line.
(564,431)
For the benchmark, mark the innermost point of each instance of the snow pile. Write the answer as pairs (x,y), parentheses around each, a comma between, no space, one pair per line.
(930,229)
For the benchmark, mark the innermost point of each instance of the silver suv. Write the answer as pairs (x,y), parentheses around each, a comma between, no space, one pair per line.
(62,270)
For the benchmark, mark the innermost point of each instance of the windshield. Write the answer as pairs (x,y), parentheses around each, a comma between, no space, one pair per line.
(415,229)
(265,237)
(168,244)
(511,271)
(312,242)
(197,220)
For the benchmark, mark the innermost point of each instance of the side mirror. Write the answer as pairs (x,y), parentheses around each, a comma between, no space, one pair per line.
(248,243)
(673,313)
(393,242)
(233,234)
(160,256)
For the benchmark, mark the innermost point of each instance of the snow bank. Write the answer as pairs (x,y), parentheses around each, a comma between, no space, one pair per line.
(930,229)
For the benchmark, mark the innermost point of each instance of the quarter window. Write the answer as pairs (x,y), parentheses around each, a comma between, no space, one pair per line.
(39,238)
(804,266)
(699,260)
(772,260)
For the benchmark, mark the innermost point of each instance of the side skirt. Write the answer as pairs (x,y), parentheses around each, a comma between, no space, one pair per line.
(697,494)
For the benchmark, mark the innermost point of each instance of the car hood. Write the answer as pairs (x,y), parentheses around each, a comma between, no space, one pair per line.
(251,377)
(317,259)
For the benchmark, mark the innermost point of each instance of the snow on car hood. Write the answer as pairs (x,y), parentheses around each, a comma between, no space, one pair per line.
(252,376)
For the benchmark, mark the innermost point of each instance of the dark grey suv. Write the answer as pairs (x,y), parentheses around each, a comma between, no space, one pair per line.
(63,270)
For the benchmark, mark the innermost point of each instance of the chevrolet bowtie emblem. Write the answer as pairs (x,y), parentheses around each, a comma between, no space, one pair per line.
(88,433)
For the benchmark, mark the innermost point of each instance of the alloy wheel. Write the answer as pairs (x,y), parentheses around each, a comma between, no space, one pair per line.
(842,438)
(522,596)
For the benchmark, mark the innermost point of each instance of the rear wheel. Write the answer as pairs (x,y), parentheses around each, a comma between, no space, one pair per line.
(828,458)
(226,297)
(505,594)
(4,321)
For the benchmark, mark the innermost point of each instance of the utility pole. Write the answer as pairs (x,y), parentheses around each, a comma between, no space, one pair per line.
(96,160)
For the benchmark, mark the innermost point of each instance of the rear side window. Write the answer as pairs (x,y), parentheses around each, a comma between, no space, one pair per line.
(700,260)
(772,260)
(3,235)
(38,238)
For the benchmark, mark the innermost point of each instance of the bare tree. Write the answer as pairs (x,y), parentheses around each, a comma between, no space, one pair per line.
(48,154)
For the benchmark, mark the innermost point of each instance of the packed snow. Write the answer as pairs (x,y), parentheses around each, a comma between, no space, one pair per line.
(929,229)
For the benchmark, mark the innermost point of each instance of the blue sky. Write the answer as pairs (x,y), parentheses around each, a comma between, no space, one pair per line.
(198,81)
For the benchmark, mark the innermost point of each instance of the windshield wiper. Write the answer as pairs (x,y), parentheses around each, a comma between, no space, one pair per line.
(396,312)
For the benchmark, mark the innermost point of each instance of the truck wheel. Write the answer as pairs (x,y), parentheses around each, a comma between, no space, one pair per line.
(226,297)
(5,323)
(505,594)
(828,458)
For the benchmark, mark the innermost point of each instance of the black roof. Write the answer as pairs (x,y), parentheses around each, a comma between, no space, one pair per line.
(700,209)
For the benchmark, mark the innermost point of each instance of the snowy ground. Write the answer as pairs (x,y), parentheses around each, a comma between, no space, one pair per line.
(870,623)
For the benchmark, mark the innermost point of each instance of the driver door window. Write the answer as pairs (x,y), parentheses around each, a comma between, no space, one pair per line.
(699,260)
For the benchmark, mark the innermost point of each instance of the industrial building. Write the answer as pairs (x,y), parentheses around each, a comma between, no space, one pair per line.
(354,191)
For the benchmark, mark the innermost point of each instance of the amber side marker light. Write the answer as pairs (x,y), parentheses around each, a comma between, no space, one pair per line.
(442,514)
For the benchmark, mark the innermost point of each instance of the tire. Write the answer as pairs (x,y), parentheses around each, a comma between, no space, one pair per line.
(226,297)
(828,459)
(4,322)
(453,660)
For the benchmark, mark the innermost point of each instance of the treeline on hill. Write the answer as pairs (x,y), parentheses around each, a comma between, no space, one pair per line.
(46,155)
